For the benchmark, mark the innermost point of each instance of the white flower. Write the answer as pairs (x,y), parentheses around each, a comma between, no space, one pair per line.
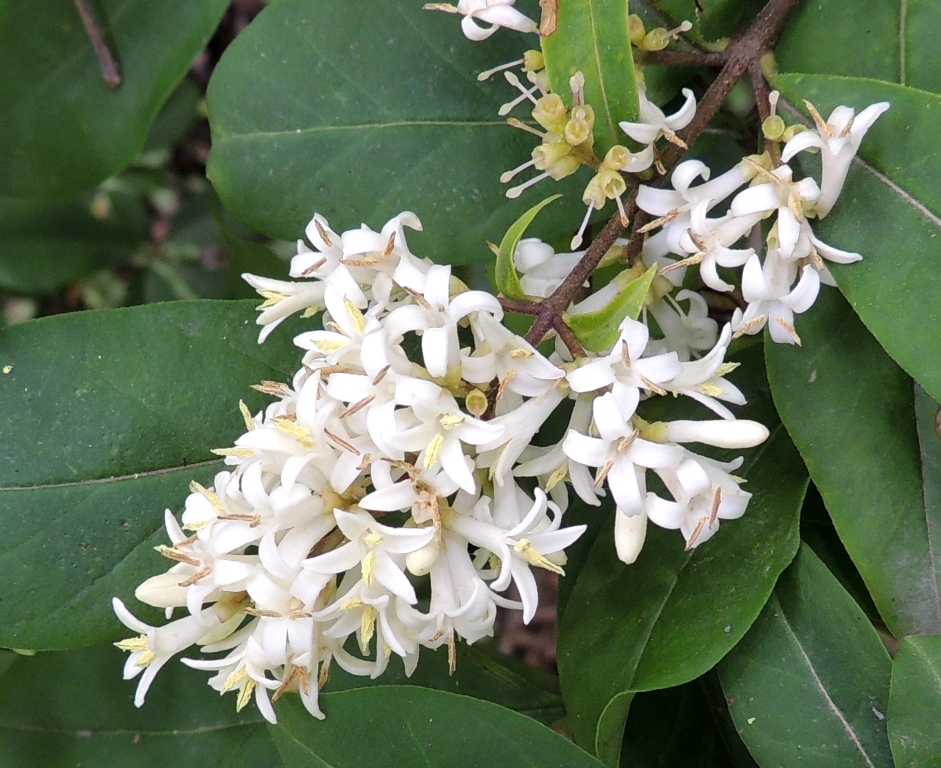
(377,549)
(684,333)
(704,380)
(653,123)
(157,645)
(283,299)
(838,140)
(496,13)
(772,299)
(704,494)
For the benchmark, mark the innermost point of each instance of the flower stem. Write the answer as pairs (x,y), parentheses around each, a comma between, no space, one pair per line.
(110,71)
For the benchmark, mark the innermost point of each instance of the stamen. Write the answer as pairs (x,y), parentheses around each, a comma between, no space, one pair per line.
(790,329)
(659,222)
(687,262)
(716,503)
(515,123)
(342,443)
(316,265)
(324,234)
(695,535)
(505,177)
(381,375)
(515,192)
(577,240)
(490,72)
(390,246)
(358,406)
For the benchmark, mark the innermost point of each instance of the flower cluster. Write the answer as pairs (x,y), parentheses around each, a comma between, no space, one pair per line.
(373,468)
(398,454)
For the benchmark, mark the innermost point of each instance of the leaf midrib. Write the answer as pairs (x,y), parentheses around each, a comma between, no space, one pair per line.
(113,478)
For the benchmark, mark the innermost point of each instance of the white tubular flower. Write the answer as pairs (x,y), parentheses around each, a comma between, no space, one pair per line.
(439,435)
(420,491)
(283,299)
(625,370)
(704,380)
(792,200)
(685,333)
(496,13)
(654,124)
(436,316)
(620,454)
(155,646)
(704,494)
(772,300)
(709,240)
(838,140)
(532,542)
(377,549)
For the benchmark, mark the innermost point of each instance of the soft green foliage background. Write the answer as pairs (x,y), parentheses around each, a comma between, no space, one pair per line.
(805,633)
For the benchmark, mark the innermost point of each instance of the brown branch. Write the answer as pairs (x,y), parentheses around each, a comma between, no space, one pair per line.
(686,58)
(738,57)
(568,337)
(110,71)
(521,306)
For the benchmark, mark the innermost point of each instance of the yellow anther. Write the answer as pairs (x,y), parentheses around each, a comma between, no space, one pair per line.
(368,567)
(210,496)
(244,695)
(329,346)
(451,420)
(247,415)
(132,644)
(560,473)
(242,453)
(295,430)
(433,451)
(356,315)
(534,557)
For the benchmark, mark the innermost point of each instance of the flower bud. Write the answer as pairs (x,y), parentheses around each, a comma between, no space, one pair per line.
(162,591)
(722,433)
(422,560)
(629,534)
(635,28)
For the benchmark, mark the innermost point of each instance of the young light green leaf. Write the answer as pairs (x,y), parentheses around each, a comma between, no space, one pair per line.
(404,726)
(810,681)
(592,37)
(915,703)
(505,274)
(46,719)
(852,413)
(62,129)
(107,418)
(890,212)
(672,615)
(398,122)
(599,330)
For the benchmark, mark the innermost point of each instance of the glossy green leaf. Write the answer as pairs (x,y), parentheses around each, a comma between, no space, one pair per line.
(107,417)
(826,37)
(505,274)
(405,726)
(71,708)
(396,120)
(674,727)
(809,683)
(592,38)
(890,212)
(672,615)
(62,129)
(47,244)
(870,444)
(894,42)
(599,330)
(481,673)
(915,703)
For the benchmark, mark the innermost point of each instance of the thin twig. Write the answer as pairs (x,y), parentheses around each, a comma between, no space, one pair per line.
(763,102)
(686,58)
(110,71)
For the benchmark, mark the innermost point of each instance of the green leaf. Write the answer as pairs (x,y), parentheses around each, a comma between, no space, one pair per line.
(915,703)
(107,417)
(599,330)
(70,708)
(404,726)
(852,413)
(890,212)
(505,274)
(482,673)
(47,244)
(810,681)
(826,37)
(674,727)
(672,615)
(63,129)
(894,42)
(592,38)
(403,125)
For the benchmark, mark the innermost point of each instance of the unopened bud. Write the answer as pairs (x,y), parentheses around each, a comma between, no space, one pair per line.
(163,591)
(476,403)
(546,155)
(422,560)
(635,28)
(578,130)
(629,534)
(533,61)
